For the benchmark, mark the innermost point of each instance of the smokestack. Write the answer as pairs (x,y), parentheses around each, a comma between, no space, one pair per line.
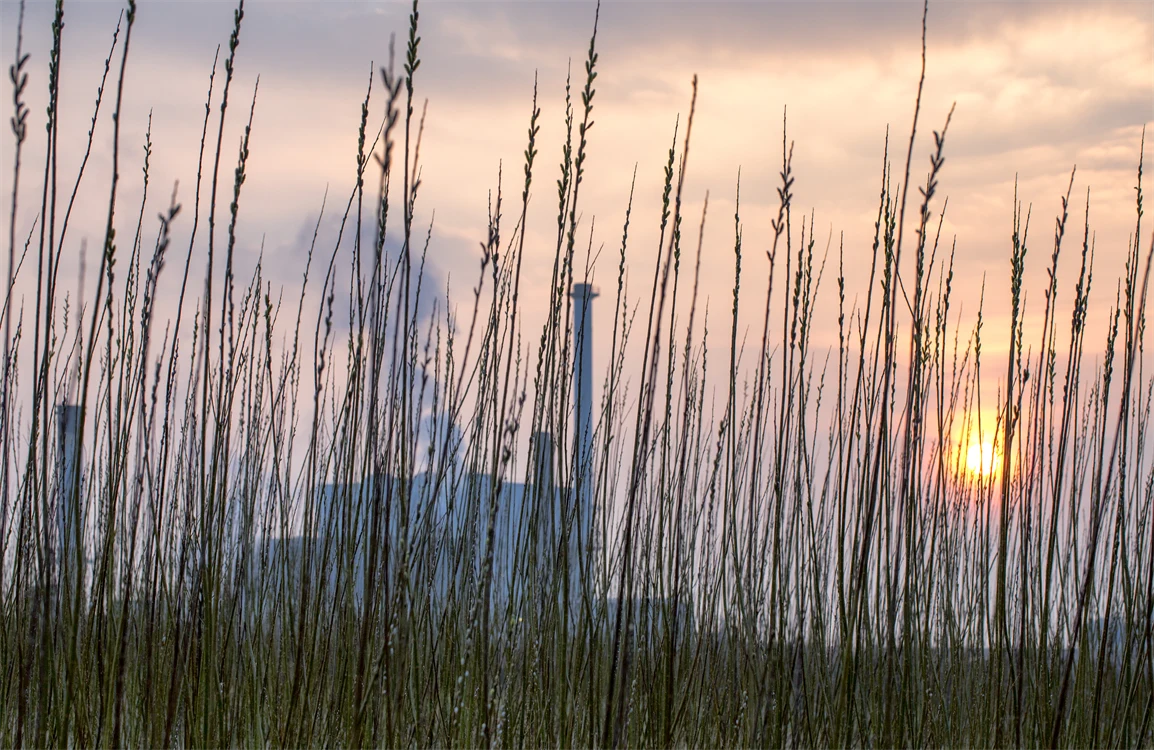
(542,447)
(543,496)
(583,296)
(69,525)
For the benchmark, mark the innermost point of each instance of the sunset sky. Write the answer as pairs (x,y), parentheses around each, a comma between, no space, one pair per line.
(1039,87)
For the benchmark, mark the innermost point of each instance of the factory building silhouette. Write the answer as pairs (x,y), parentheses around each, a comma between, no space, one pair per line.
(530,527)
(539,526)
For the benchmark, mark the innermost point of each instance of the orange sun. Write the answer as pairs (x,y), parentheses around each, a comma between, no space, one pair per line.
(981,459)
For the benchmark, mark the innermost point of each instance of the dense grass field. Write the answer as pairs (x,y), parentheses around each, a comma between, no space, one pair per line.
(263,526)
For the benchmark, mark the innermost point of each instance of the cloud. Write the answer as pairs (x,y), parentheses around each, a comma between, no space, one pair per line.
(1039,87)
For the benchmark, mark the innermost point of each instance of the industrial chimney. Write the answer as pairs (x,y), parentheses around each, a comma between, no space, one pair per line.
(69,523)
(542,498)
(541,453)
(583,296)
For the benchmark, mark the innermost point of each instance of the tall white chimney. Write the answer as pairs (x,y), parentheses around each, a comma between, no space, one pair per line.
(583,296)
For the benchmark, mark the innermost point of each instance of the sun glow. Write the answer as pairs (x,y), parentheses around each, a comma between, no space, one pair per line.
(981,459)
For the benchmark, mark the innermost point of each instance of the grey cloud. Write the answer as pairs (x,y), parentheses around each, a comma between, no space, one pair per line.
(315,37)
(479,59)
(714,30)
